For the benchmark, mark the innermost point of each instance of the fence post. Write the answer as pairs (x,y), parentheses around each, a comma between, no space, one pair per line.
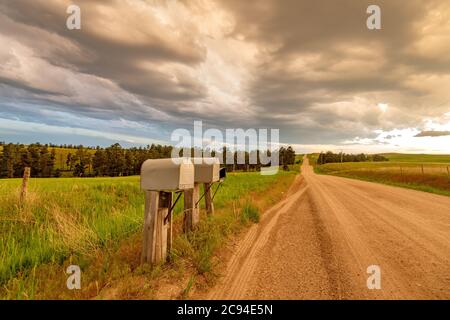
(24,190)
(422,170)
(208,199)
(191,212)
(448,172)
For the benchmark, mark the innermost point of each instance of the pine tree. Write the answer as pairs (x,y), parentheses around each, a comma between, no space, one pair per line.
(7,163)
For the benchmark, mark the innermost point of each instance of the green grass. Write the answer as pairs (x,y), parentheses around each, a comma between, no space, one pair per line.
(250,213)
(428,177)
(417,158)
(87,220)
(63,216)
(403,157)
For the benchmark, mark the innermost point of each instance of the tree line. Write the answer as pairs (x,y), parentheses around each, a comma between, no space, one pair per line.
(330,157)
(111,161)
(15,157)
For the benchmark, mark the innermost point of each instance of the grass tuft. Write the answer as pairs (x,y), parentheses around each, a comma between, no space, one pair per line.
(250,213)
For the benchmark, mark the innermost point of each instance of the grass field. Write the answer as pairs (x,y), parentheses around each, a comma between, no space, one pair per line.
(418,158)
(410,173)
(96,223)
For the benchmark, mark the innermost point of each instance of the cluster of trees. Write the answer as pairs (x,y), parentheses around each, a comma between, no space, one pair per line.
(114,160)
(330,157)
(70,146)
(287,157)
(15,157)
(111,161)
(252,161)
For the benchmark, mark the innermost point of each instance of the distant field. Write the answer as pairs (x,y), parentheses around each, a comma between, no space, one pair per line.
(425,176)
(313,158)
(61,156)
(299,158)
(421,158)
(85,220)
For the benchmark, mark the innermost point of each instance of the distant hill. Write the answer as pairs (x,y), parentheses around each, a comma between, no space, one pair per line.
(406,157)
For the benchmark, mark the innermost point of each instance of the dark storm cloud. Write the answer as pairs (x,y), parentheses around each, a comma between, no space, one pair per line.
(112,58)
(383,63)
(433,134)
(310,68)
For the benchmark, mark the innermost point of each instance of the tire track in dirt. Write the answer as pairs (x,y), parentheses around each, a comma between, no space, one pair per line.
(243,261)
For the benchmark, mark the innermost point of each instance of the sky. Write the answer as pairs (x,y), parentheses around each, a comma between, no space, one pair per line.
(137,70)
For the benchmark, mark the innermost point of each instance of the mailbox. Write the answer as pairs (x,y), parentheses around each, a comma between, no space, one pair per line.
(166,174)
(206,170)
(222,174)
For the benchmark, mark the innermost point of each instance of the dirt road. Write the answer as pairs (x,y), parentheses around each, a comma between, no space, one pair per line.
(319,241)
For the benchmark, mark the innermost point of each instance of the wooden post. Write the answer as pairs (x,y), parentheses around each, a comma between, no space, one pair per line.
(26,177)
(448,172)
(157,235)
(208,198)
(169,226)
(422,171)
(151,208)
(191,212)
(162,226)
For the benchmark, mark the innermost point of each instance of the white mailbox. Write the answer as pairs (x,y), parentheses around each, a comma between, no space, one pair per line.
(206,170)
(167,174)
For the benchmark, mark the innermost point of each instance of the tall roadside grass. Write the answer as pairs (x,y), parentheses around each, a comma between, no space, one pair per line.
(64,216)
(96,223)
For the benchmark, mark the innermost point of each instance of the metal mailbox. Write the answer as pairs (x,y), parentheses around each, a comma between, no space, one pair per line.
(167,174)
(207,170)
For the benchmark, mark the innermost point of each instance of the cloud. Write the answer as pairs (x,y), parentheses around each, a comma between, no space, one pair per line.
(310,68)
(321,55)
(433,134)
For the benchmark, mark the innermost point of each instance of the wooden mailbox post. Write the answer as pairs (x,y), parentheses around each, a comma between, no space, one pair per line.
(206,172)
(191,213)
(159,178)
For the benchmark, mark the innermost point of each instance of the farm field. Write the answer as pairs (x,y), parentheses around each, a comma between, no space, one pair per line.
(417,158)
(411,172)
(96,223)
